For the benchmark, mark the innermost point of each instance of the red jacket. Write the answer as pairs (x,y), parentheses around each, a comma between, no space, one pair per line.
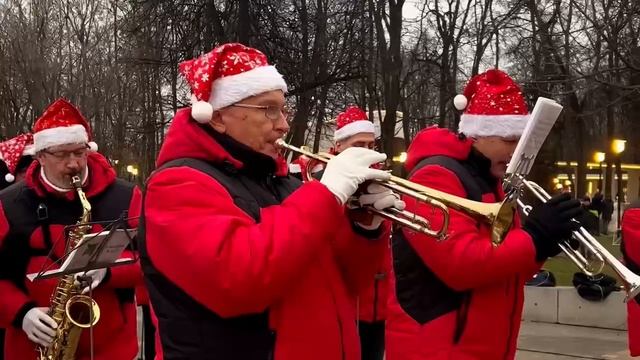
(115,334)
(631,249)
(466,261)
(298,261)
(372,300)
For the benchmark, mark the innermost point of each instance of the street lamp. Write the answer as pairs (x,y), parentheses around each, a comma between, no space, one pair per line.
(617,146)
(400,158)
(132,170)
(599,158)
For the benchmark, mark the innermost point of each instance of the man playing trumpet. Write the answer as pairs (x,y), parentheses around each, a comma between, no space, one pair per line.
(461,298)
(242,261)
(353,129)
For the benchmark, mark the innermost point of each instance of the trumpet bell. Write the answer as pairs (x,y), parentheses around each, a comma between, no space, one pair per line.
(630,280)
(502,221)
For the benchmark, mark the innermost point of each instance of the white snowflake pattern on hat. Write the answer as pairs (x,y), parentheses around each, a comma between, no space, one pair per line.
(228,74)
(12,150)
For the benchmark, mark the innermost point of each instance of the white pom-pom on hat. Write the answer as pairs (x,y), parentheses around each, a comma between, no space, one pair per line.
(202,111)
(9,178)
(93,146)
(460,102)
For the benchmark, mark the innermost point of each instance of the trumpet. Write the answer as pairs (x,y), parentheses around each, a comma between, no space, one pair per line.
(498,215)
(631,281)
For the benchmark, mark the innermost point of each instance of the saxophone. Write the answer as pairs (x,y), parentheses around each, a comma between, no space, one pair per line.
(72,311)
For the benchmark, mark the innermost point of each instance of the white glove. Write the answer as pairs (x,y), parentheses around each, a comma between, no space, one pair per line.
(39,326)
(347,170)
(96,276)
(381,198)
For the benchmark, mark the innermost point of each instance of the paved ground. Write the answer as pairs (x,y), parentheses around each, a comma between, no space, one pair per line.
(540,341)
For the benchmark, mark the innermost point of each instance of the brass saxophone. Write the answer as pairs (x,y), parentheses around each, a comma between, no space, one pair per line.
(72,311)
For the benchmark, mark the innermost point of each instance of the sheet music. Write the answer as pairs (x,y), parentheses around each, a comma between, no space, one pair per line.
(91,250)
(543,117)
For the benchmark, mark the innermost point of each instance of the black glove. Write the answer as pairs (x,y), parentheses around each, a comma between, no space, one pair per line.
(550,223)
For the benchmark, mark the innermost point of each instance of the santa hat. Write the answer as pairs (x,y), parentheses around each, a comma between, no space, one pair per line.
(300,164)
(12,150)
(493,106)
(227,74)
(352,121)
(61,124)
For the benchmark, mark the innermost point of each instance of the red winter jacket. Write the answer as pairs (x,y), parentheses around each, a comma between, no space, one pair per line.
(631,250)
(372,300)
(492,276)
(302,261)
(115,334)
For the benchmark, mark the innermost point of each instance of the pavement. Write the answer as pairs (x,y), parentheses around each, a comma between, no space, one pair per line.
(544,341)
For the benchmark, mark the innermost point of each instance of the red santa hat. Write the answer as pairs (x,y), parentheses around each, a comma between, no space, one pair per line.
(493,106)
(12,150)
(61,124)
(352,121)
(227,74)
(300,164)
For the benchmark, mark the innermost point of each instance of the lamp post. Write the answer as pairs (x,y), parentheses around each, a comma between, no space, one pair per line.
(599,158)
(617,146)
(400,158)
(133,171)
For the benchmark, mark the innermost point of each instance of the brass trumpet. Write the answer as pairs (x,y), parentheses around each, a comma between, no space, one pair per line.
(498,215)
(631,281)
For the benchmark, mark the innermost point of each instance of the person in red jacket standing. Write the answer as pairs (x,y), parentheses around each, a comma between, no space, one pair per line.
(353,129)
(33,216)
(461,298)
(242,261)
(630,247)
(16,154)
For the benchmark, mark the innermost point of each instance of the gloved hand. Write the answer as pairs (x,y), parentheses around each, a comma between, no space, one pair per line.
(351,168)
(96,277)
(381,198)
(39,326)
(550,223)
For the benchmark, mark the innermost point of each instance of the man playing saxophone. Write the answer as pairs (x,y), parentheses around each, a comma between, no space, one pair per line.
(33,216)
(461,298)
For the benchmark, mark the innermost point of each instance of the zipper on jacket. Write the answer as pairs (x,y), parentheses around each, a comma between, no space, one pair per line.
(376,282)
(461,317)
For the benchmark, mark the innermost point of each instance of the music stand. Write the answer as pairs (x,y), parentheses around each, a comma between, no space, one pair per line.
(95,251)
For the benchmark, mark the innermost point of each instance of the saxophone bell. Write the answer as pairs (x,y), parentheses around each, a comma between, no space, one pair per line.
(82,311)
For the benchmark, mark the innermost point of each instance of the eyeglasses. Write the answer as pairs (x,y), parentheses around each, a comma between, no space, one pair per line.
(66,155)
(272,112)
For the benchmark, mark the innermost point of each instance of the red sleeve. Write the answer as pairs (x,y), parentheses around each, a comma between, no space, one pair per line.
(129,276)
(631,242)
(12,298)
(11,301)
(631,234)
(201,241)
(360,257)
(466,259)
(4,226)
